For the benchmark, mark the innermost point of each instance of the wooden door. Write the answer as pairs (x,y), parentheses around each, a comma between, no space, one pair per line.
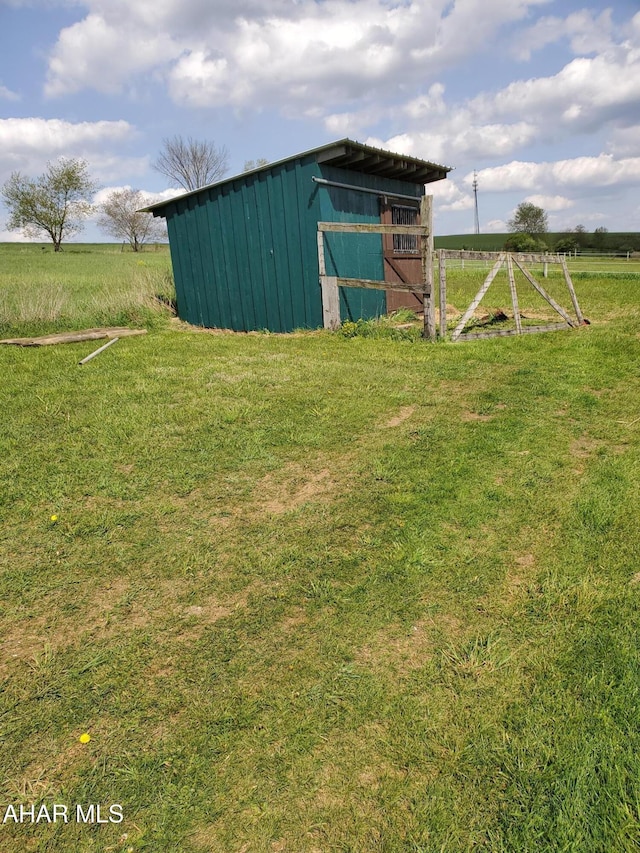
(402,259)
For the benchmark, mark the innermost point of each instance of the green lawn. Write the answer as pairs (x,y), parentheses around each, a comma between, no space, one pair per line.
(322,593)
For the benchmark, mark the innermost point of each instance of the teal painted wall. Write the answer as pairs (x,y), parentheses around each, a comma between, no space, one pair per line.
(241,251)
(244,253)
(357,255)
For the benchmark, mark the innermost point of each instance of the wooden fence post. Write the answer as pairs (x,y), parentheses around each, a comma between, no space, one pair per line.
(514,295)
(442,271)
(426,221)
(329,290)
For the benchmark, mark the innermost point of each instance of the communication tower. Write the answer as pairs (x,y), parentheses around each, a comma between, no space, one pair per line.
(475,199)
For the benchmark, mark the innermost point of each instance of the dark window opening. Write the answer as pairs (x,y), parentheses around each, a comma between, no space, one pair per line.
(405,243)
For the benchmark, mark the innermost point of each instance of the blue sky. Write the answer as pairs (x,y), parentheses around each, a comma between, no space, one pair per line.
(541,97)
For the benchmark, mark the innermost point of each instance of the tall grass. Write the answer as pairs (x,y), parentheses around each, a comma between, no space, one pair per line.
(82,286)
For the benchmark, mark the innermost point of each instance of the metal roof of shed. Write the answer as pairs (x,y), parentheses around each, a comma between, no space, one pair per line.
(345,154)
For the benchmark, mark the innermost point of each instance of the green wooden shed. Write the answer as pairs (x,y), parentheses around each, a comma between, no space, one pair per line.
(244,250)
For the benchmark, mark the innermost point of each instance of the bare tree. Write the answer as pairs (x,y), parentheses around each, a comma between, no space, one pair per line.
(120,216)
(54,203)
(191,164)
(250,165)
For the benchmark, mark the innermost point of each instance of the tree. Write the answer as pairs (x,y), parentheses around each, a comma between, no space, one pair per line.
(600,239)
(120,216)
(529,219)
(54,204)
(249,165)
(581,238)
(566,244)
(521,242)
(191,164)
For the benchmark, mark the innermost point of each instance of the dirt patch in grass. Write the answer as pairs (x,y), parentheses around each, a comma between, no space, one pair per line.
(210,612)
(468,416)
(400,651)
(34,639)
(291,623)
(583,447)
(403,415)
(209,609)
(274,496)
(110,609)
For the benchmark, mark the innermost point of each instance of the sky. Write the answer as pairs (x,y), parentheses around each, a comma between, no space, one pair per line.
(541,98)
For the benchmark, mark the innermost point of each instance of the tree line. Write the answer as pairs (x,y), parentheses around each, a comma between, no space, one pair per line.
(56,204)
(529,227)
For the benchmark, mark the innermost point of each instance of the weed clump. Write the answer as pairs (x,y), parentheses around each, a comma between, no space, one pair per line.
(401,326)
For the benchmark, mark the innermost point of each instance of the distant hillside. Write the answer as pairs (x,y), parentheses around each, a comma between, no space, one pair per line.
(611,241)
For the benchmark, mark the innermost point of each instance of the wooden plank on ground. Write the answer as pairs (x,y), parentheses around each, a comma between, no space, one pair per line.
(74,337)
(504,333)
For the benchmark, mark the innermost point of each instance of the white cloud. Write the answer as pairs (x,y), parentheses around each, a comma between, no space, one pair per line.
(149,197)
(258,52)
(625,141)
(49,137)
(588,95)
(580,173)
(550,202)
(495,226)
(7,94)
(26,144)
(457,139)
(585,94)
(16,237)
(449,197)
(585,33)
(99,54)
(319,53)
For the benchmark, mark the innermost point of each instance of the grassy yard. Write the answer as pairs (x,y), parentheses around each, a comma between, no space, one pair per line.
(316,593)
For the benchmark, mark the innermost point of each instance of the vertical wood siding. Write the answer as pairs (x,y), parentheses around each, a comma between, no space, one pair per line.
(244,254)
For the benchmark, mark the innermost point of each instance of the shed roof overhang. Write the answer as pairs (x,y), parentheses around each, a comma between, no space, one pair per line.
(357,157)
(344,154)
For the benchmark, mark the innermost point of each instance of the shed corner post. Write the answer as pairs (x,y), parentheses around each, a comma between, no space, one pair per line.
(426,221)
(328,289)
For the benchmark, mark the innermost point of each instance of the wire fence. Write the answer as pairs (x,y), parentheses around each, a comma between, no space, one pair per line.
(598,264)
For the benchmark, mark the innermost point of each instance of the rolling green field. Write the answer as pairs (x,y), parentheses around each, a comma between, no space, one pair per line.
(612,241)
(316,592)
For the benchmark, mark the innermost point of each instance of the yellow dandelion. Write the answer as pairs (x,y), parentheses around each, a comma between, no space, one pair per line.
(54,518)
(84,738)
